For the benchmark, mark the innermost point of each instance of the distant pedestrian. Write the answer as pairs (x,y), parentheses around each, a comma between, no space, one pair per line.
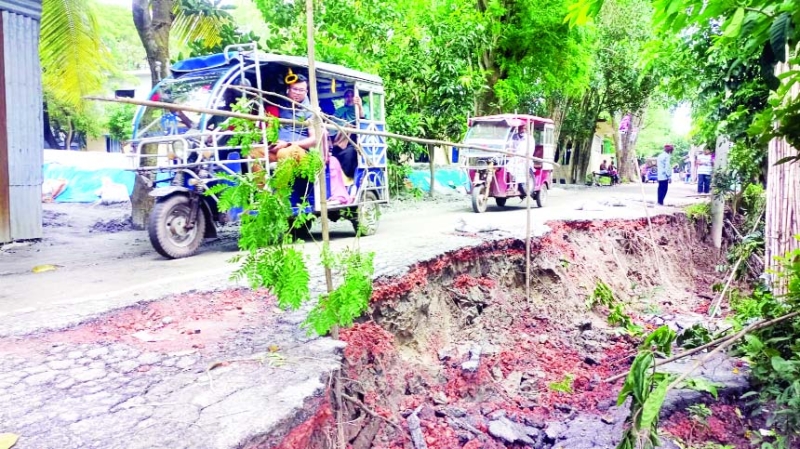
(664,172)
(705,166)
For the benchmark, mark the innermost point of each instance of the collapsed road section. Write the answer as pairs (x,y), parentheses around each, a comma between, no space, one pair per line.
(451,354)
(454,355)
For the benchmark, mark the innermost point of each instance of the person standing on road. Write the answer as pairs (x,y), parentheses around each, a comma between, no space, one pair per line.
(705,165)
(664,172)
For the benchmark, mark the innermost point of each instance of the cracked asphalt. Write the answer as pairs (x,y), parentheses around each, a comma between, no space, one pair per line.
(73,374)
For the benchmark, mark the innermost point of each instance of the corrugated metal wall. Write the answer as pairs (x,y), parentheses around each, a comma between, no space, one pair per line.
(23,101)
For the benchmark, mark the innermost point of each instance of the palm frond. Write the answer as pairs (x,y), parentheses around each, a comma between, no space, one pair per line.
(200,20)
(74,60)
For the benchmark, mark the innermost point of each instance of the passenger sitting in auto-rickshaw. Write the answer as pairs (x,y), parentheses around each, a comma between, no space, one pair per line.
(518,145)
(294,140)
(343,149)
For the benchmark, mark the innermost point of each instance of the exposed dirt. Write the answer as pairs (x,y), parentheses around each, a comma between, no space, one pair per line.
(186,321)
(456,343)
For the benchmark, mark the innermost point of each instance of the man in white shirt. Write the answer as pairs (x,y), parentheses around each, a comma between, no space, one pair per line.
(705,165)
(664,172)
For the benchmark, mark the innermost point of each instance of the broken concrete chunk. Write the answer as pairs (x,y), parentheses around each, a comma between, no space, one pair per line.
(554,430)
(510,431)
(439,398)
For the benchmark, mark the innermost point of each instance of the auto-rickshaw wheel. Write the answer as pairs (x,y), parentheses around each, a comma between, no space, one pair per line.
(501,202)
(479,200)
(541,196)
(167,227)
(367,215)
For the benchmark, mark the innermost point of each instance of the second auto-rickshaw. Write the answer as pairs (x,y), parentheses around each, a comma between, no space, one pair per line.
(504,176)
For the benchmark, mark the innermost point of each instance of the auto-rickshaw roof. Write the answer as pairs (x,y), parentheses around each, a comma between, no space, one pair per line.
(511,119)
(233,57)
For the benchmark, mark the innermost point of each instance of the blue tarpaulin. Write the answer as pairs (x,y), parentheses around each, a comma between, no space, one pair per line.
(82,184)
(444,179)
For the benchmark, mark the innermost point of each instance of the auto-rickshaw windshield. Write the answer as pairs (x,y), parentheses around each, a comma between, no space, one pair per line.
(496,131)
(191,90)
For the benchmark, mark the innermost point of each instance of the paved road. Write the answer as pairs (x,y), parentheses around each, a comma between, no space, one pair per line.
(141,377)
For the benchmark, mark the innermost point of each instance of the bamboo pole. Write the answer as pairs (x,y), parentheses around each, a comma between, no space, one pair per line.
(529,186)
(388,135)
(782,222)
(753,327)
(714,308)
(724,344)
(323,203)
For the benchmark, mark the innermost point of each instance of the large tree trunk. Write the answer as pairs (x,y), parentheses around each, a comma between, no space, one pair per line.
(783,200)
(47,131)
(153,20)
(557,109)
(628,166)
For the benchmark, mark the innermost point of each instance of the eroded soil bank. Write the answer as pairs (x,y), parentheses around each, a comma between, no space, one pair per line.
(454,354)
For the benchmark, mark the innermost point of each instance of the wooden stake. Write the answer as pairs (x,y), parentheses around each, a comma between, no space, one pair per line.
(323,205)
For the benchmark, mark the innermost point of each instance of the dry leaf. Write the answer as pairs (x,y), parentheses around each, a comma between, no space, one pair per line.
(8,440)
(44,268)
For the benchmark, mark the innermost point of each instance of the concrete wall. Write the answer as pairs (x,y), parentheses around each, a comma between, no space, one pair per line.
(20,121)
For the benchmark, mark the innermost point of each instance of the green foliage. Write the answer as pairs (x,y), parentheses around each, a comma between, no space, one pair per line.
(119,121)
(86,122)
(118,35)
(348,301)
(603,296)
(228,35)
(699,412)
(774,352)
(200,21)
(273,259)
(698,211)
(701,384)
(693,337)
(647,390)
(74,61)
(564,385)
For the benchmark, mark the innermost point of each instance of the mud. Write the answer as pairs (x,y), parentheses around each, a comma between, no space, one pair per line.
(53,219)
(457,355)
(113,225)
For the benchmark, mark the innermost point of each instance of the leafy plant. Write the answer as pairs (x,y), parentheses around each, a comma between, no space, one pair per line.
(699,412)
(699,211)
(273,258)
(701,384)
(647,390)
(564,385)
(603,296)
(774,352)
(693,337)
(119,121)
